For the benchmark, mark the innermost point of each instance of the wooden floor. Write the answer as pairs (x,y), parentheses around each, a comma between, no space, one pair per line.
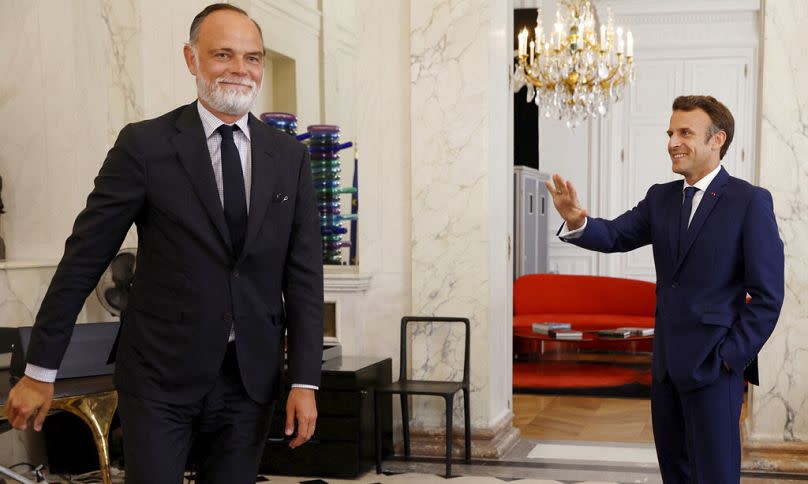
(549,417)
(596,419)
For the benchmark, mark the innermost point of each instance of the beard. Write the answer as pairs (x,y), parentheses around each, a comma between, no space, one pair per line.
(225,99)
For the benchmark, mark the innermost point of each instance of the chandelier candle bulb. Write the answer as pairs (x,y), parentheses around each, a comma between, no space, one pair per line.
(532,50)
(539,23)
(603,38)
(629,44)
(523,43)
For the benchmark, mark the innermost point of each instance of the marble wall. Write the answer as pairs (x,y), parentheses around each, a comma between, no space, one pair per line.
(383,141)
(461,121)
(75,98)
(780,404)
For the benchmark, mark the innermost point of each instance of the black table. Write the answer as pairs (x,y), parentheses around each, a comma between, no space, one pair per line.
(343,440)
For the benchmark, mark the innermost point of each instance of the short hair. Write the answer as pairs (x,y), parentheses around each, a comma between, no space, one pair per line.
(719,114)
(196,24)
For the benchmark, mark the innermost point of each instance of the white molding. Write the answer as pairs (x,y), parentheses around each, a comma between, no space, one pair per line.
(686,18)
(299,13)
(346,282)
(28,264)
(662,7)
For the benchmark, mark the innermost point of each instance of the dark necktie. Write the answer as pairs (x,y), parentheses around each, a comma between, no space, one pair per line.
(235,198)
(684,217)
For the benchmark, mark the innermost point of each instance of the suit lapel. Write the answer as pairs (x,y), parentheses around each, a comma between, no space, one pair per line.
(708,202)
(263,169)
(193,152)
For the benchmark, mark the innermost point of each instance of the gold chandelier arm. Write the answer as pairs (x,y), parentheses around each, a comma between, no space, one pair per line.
(535,81)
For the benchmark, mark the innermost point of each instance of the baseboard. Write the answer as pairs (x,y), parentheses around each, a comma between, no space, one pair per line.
(775,456)
(486,443)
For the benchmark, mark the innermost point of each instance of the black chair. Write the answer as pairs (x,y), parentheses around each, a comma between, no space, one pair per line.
(445,389)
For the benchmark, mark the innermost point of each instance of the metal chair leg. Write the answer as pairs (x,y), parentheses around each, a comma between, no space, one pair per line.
(405,425)
(377,432)
(449,436)
(467,418)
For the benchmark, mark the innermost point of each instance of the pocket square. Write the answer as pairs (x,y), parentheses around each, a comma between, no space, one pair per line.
(281,197)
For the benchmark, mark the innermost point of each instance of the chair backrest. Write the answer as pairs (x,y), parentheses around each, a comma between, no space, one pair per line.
(434,319)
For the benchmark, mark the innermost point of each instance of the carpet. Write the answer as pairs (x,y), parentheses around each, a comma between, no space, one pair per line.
(571,378)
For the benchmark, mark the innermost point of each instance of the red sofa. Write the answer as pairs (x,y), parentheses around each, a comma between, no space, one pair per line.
(587,302)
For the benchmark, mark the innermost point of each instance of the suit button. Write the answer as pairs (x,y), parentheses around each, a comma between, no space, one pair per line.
(674,285)
(227,317)
(235,273)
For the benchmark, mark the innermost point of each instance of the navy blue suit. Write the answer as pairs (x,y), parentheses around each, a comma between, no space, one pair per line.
(731,248)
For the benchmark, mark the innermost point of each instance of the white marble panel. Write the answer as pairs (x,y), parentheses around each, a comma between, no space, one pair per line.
(449,183)
(383,137)
(59,117)
(387,300)
(382,102)
(499,346)
(165,26)
(455,233)
(780,405)
(22,290)
(22,112)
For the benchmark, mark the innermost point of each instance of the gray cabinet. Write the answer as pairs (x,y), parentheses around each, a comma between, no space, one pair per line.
(530,221)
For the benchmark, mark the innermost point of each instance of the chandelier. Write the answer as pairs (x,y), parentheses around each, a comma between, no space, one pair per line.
(578,70)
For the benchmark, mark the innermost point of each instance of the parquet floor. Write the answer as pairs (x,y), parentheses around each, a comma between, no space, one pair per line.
(595,419)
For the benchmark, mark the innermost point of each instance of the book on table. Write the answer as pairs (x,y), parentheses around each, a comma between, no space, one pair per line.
(638,331)
(545,328)
(614,333)
(566,334)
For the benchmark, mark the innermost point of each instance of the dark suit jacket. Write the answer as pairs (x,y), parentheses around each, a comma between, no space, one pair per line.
(189,288)
(732,248)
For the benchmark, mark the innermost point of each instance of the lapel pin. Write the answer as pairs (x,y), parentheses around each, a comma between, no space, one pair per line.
(712,193)
(281,197)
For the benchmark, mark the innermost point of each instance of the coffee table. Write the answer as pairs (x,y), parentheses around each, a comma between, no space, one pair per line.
(541,344)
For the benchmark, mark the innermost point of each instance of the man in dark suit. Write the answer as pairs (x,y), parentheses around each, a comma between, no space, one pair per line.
(229,257)
(715,240)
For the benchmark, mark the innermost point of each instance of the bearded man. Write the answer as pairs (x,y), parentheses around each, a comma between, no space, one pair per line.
(229,259)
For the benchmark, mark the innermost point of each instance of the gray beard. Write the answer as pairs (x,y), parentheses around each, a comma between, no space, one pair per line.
(227,101)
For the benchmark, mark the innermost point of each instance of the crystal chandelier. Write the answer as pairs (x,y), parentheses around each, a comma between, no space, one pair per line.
(578,71)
